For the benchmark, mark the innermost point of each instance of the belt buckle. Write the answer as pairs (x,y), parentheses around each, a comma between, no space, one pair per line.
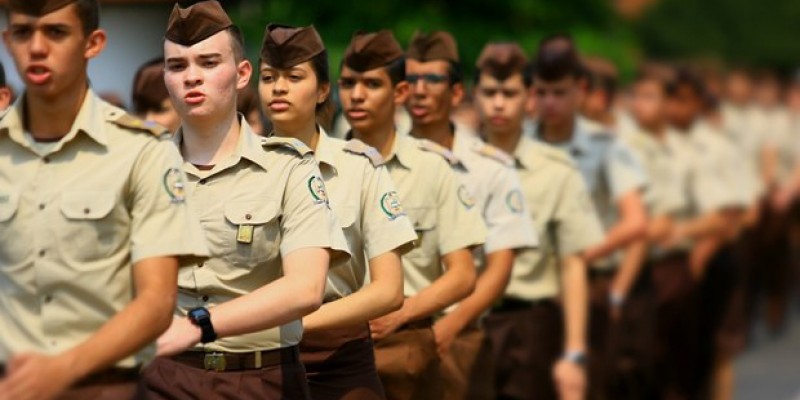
(214,361)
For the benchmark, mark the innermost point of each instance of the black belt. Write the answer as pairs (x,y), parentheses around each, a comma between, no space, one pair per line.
(224,361)
(508,304)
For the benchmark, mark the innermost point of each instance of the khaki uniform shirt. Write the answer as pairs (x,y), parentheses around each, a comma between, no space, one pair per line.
(440,208)
(365,202)
(489,175)
(742,126)
(76,216)
(263,202)
(562,212)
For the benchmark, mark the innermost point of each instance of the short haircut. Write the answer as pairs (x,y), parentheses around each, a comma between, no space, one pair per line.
(684,77)
(653,72)
(89,14)
(237,42)
(2,75)
(557,59)
(455,72)
(526,71)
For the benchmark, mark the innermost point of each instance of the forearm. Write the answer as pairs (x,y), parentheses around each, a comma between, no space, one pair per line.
(632,225)
(489,287)
(384,294)
(575,297)
(457,282)
(709,224)
(632,261)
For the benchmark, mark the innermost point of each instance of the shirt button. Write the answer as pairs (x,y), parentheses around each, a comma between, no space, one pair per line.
(202,181)
(205,297)
(46,160)
(86,211)
(41,206)
(42,253)
(48,298)
(200,265)
(248,217)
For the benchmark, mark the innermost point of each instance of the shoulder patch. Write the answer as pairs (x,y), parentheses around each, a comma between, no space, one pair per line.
(291,143)
(494,153)
(432,147)
(356,146)
(555,154)
(125,120)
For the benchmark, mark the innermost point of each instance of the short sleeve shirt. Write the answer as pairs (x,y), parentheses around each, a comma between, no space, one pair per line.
(75,217)
(367,206)
(439,207)
(563,214)
(258,205)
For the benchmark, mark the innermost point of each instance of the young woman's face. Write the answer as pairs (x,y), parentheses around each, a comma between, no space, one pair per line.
(165,116)
(289,97)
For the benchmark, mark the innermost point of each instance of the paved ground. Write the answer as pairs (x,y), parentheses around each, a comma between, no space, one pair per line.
(770,368)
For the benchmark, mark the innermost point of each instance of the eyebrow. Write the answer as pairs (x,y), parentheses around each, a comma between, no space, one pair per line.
(209,56)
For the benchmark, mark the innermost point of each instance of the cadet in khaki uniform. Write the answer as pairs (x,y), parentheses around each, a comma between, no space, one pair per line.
(439,271)
(715,211)
(337,350)
(150,97)
(489,179)
(538,354)
(93,220)
(265,215)
(615,179)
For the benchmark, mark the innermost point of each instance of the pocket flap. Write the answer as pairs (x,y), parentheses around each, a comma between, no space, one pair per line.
(87,205)
(9,200)
(423,218)
(251,212)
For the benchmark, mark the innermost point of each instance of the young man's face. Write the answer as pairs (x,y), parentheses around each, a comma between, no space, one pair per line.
(739,88)
(648,103)
(432,96)
(596,104)
(683,107)
(558,100)
(203,79)
(369,98)
(501,104)
(51,52)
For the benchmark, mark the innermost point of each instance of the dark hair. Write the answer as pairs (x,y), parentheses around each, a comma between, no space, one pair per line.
(325,110)
(237,42)
(660,74)
(2,75)
(89,14)
(684,77)
(455,72)
(397,70)
(557,59)
(526,71)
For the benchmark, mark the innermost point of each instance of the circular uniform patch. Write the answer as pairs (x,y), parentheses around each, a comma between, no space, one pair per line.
(175,185)
(390,204)
(465,197)
(317,188)
(515,201)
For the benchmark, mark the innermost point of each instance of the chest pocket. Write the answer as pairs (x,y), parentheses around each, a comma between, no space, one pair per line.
(253,236)
(424,220)
(9,201)
(90,233)
(346,217)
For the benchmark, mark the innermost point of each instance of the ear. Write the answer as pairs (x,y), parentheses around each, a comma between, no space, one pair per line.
(243,71)
(458,94)
(401,92)
(530,103)
(95,44)
(5,98)
(323,91)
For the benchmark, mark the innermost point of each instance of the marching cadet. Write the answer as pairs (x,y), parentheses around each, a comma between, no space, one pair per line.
(150,97)
(337,350)
(94,222)
(615,179)
(490,180)
(6,95)
(601,86)
(439,271)
(713,221)
(539,345)
(265,214)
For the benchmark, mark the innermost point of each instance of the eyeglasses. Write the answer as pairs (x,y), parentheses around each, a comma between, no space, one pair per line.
(427,78)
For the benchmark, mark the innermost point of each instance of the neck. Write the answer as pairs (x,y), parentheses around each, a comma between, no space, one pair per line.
(506,141)
(208,142)
(439,132)
(306,133)
(381,138)
(53,118)
(558,132)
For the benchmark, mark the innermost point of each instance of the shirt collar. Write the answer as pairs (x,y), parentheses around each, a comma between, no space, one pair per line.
(401,149)
(579,144)
(524,153)
(325,153)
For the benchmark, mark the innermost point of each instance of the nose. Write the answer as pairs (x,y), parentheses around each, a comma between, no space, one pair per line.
(419,88)
(280,86)
(38,45)
(194,76)
(358,93)
(497,101)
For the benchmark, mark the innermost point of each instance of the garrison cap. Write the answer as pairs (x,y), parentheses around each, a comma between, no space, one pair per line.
(368,51)
(285,46)
(438,45)
(193,24)
(37,8)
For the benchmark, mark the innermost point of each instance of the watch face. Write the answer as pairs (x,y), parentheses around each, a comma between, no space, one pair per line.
(199,314)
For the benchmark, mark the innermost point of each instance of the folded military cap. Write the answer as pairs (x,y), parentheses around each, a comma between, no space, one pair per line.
(193,24)
(502,60)
(285,46)
(149,89)
(368,51)
(438,45)
(37,7)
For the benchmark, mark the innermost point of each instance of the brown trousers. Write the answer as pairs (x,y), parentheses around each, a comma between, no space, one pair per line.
(167,379)
(114,384)
(467,371)
(408,364)
(340,364)
(526,343)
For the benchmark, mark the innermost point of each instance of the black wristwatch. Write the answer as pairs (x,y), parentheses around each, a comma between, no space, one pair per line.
(202,318)
(577,357)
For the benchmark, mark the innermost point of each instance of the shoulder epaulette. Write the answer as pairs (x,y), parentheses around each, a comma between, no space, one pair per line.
(494,153)
(125,120)
(356,146)
(555,154)
(291,143)
(428,145)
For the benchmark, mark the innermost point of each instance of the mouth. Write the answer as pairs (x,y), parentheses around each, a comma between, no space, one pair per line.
(38,74)
(419,111)
(194,98)
(496,120)
(357,114)
(279,105)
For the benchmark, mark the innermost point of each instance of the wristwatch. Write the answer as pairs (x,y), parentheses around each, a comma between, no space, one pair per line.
(202,318)
(577,357)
